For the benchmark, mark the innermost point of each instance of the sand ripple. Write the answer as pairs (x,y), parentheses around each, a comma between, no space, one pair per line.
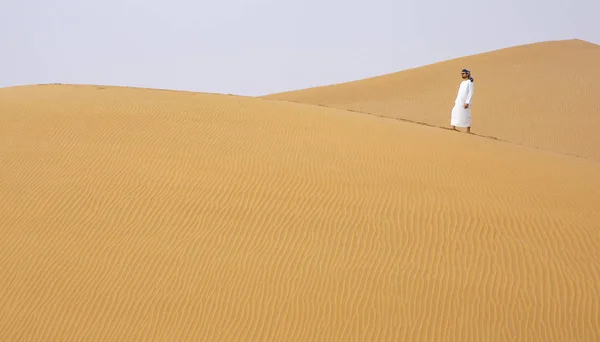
(132,214)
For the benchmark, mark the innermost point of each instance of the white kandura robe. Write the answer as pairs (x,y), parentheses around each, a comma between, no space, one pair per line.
(461,116)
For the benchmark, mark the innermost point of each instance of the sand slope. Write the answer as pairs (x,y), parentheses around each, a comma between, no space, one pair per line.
(133,214)
(544,95)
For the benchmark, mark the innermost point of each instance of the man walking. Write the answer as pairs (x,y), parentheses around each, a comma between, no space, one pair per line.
(461,113)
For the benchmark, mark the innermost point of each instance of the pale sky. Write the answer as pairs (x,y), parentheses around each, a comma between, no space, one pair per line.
(264,46)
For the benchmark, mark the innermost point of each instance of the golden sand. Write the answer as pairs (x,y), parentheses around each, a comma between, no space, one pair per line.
(136,214)
(545,95)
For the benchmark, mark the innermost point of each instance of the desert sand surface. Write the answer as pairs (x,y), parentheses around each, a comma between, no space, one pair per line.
(138,214)
(543,95)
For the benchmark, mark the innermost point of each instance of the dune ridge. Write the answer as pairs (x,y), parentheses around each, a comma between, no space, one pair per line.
(543,95)
(137,214)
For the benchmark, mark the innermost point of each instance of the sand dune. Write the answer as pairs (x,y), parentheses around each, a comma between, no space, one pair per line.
(544,95)
(137,214)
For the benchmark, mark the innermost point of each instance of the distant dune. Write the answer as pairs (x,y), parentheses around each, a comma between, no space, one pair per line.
(545,95)
(137,214)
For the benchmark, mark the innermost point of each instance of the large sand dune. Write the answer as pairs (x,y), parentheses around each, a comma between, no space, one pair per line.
(544,95)
(136,214)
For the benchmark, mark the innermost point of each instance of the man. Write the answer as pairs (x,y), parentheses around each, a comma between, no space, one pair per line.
(461,113)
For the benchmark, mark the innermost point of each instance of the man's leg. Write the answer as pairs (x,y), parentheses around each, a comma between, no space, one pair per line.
(469,129)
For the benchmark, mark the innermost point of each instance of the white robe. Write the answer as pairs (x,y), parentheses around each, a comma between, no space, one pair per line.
(461,116)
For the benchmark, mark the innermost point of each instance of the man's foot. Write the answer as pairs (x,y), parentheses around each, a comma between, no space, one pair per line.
(469,130)
(454,128)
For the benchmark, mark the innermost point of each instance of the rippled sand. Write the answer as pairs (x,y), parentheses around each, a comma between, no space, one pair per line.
(136,214)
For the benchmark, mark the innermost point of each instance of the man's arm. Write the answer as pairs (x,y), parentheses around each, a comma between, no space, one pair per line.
(469,94)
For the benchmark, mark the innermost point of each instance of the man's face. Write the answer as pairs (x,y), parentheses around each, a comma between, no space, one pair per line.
(464,75)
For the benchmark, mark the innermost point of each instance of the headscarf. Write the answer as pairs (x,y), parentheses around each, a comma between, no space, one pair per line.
(468,73)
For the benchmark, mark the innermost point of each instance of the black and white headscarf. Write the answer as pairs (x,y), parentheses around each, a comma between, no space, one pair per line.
(468,73)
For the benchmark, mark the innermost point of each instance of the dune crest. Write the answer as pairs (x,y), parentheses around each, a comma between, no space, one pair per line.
(136,214)
(543,95)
